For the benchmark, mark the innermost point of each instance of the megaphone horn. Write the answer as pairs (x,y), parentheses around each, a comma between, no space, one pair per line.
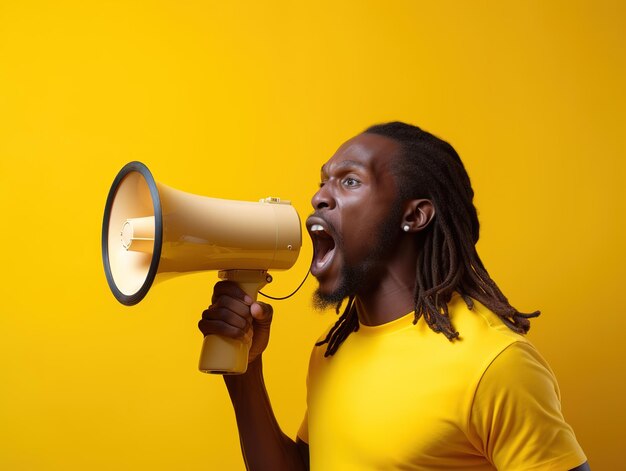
(152,231)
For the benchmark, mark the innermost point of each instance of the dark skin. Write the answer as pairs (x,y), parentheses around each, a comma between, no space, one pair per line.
(358,176)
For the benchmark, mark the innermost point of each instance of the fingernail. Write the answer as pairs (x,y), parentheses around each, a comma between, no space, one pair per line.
(247,299)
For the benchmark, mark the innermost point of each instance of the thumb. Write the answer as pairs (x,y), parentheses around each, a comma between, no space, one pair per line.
(261,312)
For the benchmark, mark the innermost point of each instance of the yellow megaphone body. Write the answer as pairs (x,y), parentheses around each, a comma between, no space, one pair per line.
(151,232)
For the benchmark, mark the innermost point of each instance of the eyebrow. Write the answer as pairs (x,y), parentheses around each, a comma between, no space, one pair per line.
(345,163)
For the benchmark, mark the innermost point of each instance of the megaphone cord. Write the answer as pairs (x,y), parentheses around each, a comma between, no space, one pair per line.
(289,295)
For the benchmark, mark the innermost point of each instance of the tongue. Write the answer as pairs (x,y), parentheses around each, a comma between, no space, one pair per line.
(327,256)
(324,249)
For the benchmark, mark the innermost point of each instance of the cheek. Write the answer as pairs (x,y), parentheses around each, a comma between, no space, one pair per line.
(358,236)
(360,223)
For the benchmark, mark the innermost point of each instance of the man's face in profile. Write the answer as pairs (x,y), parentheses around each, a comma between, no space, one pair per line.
(356,219)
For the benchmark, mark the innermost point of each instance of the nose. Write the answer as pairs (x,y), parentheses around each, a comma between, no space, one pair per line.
(323,199)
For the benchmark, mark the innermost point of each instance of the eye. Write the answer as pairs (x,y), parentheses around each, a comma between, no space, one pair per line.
(350,182)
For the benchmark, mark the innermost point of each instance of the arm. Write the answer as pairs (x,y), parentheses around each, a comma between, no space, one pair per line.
(582,467)
(263,444)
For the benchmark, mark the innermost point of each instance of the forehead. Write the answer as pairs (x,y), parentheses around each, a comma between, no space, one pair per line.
(371,152)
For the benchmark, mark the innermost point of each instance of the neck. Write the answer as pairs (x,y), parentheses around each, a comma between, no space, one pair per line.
(392,295)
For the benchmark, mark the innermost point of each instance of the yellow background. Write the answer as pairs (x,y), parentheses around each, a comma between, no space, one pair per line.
(247,99)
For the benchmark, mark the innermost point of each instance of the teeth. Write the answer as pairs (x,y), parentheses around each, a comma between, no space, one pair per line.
(316,228)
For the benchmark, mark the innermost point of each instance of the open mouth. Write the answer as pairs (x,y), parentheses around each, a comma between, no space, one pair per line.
(323,247)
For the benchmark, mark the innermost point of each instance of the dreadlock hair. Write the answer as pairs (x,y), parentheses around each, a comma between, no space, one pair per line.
(430,168)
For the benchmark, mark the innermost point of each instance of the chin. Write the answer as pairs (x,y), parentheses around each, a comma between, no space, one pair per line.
(332,292)
(350,280)
(323,301)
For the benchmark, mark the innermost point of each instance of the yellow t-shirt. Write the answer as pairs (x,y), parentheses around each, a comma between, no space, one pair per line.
(400,397)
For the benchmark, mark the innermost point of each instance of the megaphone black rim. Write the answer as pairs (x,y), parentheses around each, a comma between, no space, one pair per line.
(134,298)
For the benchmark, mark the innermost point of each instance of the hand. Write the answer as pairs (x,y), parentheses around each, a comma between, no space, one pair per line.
(234,314)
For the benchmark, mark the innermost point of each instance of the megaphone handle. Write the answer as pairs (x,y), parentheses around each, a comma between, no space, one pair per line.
(223,355)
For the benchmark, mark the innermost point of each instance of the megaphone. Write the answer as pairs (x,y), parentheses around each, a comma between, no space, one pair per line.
(152,232)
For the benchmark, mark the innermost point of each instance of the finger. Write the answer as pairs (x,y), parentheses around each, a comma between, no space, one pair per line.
(261,312)
(215,327)
(233,304)
(232,289)
(229,310)
(223,314)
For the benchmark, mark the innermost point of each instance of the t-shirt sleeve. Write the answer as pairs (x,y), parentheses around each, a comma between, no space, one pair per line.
(516,419)
(317,354)
(303,431)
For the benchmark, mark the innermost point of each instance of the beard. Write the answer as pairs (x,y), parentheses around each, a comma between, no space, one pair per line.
(363,275)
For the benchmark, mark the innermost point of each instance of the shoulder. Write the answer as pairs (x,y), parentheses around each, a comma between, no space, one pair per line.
(517,371)
(483,341)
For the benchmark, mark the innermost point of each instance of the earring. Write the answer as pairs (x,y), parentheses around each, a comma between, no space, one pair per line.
(406,228)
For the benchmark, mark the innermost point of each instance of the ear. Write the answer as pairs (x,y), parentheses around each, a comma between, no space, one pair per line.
(417,215)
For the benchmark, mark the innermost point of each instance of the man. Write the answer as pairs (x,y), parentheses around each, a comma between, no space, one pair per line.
(394,230)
